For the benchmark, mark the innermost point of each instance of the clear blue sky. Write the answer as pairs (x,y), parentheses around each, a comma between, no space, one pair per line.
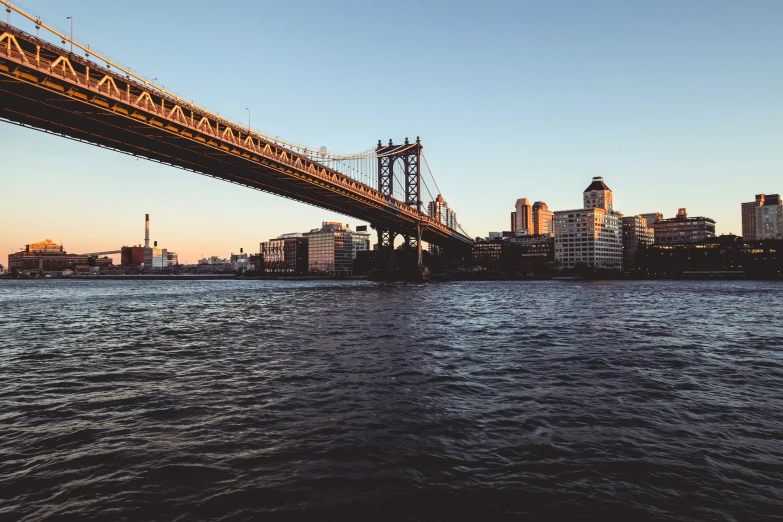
(675,103)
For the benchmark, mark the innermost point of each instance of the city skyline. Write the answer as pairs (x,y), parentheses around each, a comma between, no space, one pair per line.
(687,143)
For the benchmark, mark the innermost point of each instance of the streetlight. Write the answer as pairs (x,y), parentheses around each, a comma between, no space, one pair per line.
(71,19)
(248,117)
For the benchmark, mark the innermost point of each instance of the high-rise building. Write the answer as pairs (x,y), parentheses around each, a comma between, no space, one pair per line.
(591,236)
(513,223)
(542,219)
(769,221)
(683,229)
(636,234)
(752,209)
(440,211)
(523,216)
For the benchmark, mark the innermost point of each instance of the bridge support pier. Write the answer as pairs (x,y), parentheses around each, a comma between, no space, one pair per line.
(385,257)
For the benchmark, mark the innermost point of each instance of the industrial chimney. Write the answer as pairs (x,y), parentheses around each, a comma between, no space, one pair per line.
(147,231)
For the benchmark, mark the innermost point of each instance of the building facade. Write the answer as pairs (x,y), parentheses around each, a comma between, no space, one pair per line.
(330,250)
(440,211)
(683,229)
(155,257)
(750,212)
(543,223)
(769,222)
(45,256)
(523,215)
(273,254)
(487,254)
(591,236)
(652,217)
(636,235)
(295,254)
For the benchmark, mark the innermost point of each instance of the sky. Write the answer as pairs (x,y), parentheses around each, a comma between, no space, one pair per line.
(675,103)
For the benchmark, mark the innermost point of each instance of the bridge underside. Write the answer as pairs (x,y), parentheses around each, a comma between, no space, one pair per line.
(44,88)
(22,104)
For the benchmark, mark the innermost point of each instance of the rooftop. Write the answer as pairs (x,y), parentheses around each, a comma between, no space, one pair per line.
(597,184)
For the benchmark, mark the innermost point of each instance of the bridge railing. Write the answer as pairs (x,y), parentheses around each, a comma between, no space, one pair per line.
(138,95)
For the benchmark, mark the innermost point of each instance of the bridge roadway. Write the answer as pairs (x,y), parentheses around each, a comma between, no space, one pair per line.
(47,88)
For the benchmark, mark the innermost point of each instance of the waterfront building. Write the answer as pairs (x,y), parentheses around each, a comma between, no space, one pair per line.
(636,235)
(145,256)
(440,211)
(523,253)
(534,249)
(295,253)
(494,235)
(273,254)
(543,223)
(331,249)
(487,253)
(591,236)
(683,229)
(132,255)
(213,260)
(45,256)
(719,257)
(155,257)
(752,209)
(240,262)
(172,258)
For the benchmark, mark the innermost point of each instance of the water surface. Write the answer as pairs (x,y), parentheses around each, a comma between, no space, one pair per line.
(256,400)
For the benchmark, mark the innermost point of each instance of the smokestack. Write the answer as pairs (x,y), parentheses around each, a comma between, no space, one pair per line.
(156,244)
(147,231)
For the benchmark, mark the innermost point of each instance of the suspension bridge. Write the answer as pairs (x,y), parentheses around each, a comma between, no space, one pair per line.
(75,92)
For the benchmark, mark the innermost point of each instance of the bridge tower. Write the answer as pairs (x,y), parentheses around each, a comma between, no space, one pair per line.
(408,156)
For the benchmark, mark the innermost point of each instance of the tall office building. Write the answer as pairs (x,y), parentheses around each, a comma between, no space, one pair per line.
(752,209)
(523,217)
(440,211)
(542,219)
(592,235)
(683,229)
(769,221)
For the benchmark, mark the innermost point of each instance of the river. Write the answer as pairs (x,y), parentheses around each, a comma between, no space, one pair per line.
(319,400)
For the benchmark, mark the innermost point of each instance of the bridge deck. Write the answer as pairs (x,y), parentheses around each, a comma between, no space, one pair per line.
(44,87)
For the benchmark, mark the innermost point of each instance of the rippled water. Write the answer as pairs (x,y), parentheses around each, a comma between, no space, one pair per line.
(253,400)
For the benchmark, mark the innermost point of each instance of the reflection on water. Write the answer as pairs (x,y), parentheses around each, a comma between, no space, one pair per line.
(244,400)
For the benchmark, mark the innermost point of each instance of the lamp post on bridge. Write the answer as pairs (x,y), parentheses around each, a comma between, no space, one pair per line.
(248,117)
(71,19)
